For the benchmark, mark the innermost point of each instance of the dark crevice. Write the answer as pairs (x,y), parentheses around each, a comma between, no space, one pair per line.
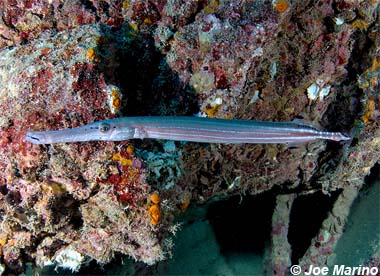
(3,189)
(374,175)
(373,178)
(89,5)
(343,111)
(243,224)
(199,9)
(149,87)
(105,7)
(306,217)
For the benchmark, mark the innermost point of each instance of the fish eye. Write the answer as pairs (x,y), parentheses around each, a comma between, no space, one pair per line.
(104,127)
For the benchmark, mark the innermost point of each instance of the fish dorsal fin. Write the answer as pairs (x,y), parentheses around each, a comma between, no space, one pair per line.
(303,122)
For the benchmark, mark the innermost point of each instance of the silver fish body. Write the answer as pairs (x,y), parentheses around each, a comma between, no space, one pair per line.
(192,129)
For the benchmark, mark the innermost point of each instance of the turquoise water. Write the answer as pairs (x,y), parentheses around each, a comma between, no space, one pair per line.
(361,238)
(197,253)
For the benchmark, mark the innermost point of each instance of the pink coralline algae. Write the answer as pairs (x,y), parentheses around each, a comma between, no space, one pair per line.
(24,20)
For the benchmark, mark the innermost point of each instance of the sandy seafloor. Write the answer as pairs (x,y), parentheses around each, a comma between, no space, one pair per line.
(198,252)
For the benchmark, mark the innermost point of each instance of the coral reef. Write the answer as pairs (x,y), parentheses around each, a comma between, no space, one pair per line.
(62,204)
(69,63)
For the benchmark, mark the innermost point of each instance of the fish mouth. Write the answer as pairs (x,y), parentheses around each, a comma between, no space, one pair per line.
(35,137)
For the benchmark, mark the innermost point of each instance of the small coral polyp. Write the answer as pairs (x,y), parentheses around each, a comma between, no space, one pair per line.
(114,98)
(91,54)
(155,214)
(155,198)
(280,6)
(154,208)
(127,178)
